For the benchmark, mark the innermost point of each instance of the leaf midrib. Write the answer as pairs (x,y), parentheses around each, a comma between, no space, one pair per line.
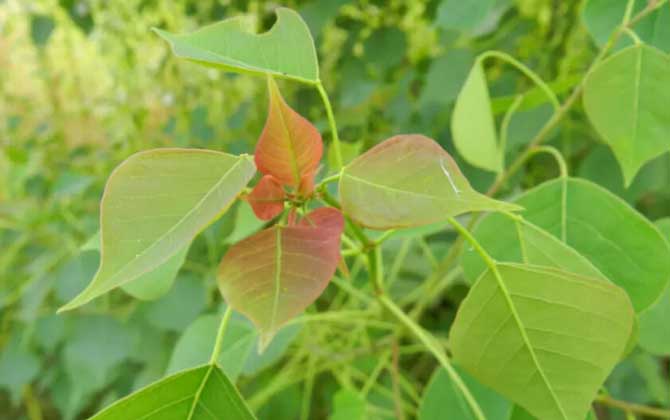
(524,336)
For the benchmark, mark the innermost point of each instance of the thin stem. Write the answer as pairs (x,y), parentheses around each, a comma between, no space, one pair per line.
(562,165)
(527,72)
(633,408)
(504,126)
(332,178)
(376,269)
(309,386)
(219,335)
(436,351)
(333,126)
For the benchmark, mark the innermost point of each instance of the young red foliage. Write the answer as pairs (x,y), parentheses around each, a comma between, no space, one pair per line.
(275,274)
(290,147)
(267,198)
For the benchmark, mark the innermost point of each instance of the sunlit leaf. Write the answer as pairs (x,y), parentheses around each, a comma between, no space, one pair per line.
(275,274)
(442,396)
(626,98)
(655,321)
(407,181)
(472,124)
(290,147)
(620,242)
(154,204)
(348,405)
(201,393)
(152,284)
(286,50)
(267,198)
(544,338)
(521,241)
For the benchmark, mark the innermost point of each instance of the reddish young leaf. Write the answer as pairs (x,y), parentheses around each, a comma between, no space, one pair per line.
(275,274)
(267,198)
(290,147)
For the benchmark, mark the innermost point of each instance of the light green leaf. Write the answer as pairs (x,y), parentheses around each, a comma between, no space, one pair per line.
(655,321)
(442,396)
(408,181)
(154,204)
(150,285)
(286,50)
(626,98)
(201,393)
(194,346)
(472,124)
(462,16)
(521,241)
(544,338)
(618,240)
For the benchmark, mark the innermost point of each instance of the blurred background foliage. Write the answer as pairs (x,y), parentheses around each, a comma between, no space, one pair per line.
(85,83)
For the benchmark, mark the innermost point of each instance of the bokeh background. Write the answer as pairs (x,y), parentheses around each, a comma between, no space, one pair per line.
(85,83)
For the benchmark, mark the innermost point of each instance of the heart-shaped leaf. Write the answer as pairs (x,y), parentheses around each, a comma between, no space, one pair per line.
(472,124)
(289,147)
(275,274)
(267,198)
(197,394)
(286,50)
(544,338)
(154,204)
(407,181)
(626,98)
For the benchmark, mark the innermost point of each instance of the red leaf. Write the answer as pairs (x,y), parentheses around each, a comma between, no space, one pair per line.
(290,147)
(275,274)
(267,198)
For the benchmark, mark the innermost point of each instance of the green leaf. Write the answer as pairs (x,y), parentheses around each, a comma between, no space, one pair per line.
(179,307)
(626,98)
(348,405)
(521,241)
(150,285)
(201,393)
(544,338)
(619,241)
(441,396)
(286,50)
(275,274)
(408,181)
(194,346)
(462,16)
(472,124)
(19,365)
(602,17)
(154,204)
(654,325)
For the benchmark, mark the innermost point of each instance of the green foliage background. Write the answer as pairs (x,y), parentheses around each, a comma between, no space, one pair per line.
(83,84)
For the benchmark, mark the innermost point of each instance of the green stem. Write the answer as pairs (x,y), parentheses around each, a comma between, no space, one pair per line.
(633,408)
(219,335)
(527,72)
(439,354)
(333,126)
(560,160)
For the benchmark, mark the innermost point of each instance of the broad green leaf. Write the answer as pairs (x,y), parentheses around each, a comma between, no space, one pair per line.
(286,50)
(275,274)
(618,240)
(445,78)
(544,338)
(290,147)
(19,365)
(348,405)
(655,321)
(472,124)
(521,241)
(179,307)
(602,17)
(150,285)
(195,345)
(154,204)
(462,16)
(442,396)
(201,393)
(626,98)
(408,181)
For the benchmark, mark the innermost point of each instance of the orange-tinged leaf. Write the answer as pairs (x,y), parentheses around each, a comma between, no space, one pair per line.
(267,198)
(290,147)
(275,274)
